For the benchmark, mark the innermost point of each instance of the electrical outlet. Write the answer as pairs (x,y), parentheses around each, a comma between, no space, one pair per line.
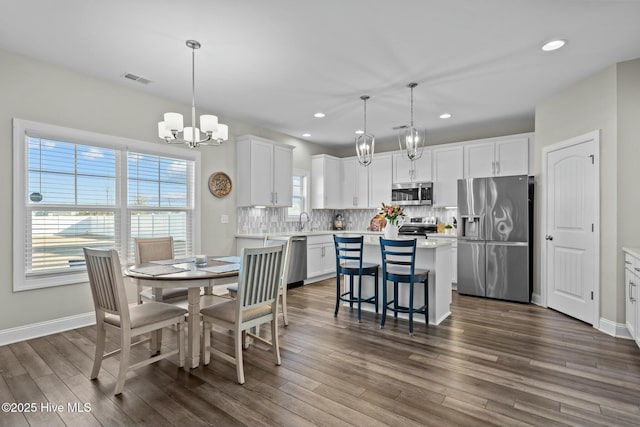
(224,219)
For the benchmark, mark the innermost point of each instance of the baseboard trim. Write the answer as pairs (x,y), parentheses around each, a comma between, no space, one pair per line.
(536,299)
(41,329)
(618,330)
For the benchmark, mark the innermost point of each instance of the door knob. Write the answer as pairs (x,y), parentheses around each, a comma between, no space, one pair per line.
(548,237)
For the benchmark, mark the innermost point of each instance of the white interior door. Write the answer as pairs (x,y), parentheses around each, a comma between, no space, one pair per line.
(570,235)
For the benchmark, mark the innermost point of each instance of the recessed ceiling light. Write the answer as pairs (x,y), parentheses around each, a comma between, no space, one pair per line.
(445,115)
(553,45)
(319,115)
(306,135)
(359,132)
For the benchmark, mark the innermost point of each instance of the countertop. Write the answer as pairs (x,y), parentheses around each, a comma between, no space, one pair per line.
(632,251)
(434,239)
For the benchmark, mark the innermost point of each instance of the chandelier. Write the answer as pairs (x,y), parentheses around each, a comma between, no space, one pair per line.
(210,132)
(410,138)
(365,141)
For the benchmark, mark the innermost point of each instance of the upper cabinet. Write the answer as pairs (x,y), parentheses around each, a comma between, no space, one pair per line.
(326,185)
(404,170)
(355,184)
(501,157)
(447,170)
(264,172)
(380,175)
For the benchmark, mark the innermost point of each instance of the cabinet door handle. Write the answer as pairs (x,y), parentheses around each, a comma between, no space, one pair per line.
(497,168)
(631,286)
(276,197)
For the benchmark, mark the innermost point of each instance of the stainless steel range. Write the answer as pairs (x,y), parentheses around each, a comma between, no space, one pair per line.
(417,227)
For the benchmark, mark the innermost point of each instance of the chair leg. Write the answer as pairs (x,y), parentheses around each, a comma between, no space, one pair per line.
(351,291)
(239,340)
(384,303)
(125,351)
(139,294)
(284,305)
(337,294)
(411,308)
(426,301)
(180,342)
(100,340)
(275,343)
(395,299)
(205,340)
(359,296)
(375,291)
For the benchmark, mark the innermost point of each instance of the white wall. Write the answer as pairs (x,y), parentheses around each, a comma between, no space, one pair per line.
(40,92)
(588,105)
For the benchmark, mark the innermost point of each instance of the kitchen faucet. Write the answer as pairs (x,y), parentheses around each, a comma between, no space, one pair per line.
(300,223)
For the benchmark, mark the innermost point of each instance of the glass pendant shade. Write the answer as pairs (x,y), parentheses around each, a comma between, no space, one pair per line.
(365,142)
(410,138)
(173,122)
(413,142)
(364,148)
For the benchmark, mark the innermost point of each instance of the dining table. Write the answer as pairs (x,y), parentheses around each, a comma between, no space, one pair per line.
(185,273)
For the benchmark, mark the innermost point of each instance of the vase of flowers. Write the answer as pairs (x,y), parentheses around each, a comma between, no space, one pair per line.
(394,215)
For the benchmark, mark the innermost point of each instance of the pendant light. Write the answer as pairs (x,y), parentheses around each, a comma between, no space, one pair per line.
(172,129)
(411,138)
(365,141)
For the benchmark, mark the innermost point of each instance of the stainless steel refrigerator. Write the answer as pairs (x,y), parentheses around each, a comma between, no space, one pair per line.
(494,237)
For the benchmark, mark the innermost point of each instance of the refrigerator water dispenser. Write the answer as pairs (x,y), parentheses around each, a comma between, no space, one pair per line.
(471,227)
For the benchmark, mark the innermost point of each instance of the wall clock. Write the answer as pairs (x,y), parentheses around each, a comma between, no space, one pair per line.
(220,184)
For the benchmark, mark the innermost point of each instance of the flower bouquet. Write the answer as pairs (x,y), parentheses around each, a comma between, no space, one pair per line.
(394,215)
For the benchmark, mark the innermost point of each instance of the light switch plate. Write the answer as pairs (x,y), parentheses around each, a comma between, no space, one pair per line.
(224,219)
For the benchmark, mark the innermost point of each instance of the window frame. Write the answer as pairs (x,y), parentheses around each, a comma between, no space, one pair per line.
(22,129)
(305,175)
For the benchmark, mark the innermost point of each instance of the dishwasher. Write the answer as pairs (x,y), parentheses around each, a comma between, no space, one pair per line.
(298,262)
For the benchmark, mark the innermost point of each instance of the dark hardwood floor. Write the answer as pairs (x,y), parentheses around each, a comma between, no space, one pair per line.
(490,363)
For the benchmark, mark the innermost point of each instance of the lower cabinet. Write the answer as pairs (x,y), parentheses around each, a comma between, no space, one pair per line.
(632,285)
(632,281)
(321,259)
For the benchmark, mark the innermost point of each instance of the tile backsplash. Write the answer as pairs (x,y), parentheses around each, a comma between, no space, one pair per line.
(275,220)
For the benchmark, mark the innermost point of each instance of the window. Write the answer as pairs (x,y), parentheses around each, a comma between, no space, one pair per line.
(79,189)
(299,199)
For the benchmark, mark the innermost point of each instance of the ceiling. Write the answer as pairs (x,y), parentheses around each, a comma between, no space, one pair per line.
(275,63)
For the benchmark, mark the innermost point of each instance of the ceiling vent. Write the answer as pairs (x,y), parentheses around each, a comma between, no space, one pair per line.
(135,78)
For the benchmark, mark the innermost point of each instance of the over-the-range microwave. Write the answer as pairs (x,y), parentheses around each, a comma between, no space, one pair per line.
(414,193)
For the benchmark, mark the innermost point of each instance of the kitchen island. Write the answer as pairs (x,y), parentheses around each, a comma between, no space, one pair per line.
(434,254)
(431,254)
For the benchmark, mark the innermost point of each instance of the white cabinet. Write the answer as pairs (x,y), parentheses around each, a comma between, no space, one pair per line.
(380,172)
(447,170)
(264,172)
(632,282)
(454,263)
(326,185)
(321,259)
(498,157)
(404,170)
(355,184)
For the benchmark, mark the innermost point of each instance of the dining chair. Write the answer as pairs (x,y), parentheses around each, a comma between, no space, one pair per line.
(113,312)
(399,266)
(155,249)
(256,303)
(349,263)
(274,241)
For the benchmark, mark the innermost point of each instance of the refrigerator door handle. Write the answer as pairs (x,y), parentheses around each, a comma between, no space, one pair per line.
(499,242)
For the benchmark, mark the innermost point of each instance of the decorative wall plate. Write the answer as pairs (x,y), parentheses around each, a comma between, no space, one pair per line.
(220,184)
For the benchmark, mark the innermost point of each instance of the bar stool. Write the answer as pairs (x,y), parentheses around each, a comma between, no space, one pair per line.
(398,266)
(349,263)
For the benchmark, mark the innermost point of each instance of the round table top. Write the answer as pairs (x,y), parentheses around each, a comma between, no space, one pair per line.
(192,271)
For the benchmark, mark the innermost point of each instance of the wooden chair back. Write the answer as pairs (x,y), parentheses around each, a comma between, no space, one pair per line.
(153,249)
(400,253)
(275,241)
(348,251)
(260,276)
(107,286)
